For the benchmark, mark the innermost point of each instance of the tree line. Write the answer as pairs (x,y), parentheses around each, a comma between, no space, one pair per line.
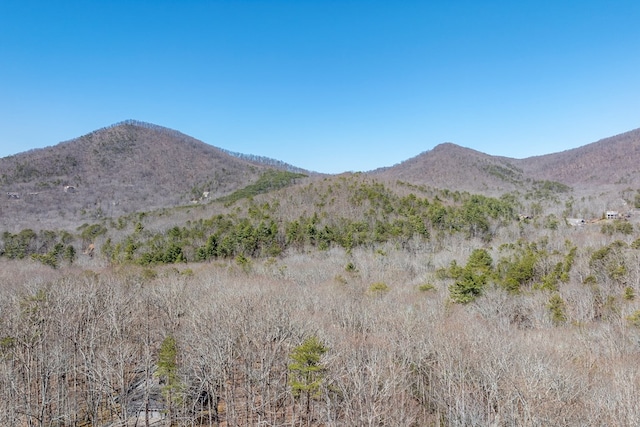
(371,306)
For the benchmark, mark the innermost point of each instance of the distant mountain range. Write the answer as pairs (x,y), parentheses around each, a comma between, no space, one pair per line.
(613,161)
(134,166)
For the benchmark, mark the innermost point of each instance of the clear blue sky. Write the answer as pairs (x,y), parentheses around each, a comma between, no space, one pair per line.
(328,85)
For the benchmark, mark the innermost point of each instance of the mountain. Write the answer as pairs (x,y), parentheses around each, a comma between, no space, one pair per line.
(453,301)
(610,162)
(136,167)
(457,168)
(128,167)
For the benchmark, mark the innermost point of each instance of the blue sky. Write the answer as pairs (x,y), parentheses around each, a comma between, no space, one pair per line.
(329,85)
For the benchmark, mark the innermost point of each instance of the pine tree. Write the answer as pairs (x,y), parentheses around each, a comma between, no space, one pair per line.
(557,308)
(168,372)
(307,371)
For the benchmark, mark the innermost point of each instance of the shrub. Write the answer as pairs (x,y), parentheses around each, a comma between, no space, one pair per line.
(471,280)
(378,288)
(426,287)
(149,274)
(634,318)
(350,267)
(90,232)
(629,294)
(557,308)
(468,287)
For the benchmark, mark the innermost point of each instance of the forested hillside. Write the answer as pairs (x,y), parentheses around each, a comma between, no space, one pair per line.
(342,300)
(610,163)
(124,168)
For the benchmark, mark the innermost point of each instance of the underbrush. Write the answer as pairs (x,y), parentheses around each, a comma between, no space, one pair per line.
(80,344)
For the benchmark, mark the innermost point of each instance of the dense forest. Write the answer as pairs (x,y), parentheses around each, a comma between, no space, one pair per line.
(336,301)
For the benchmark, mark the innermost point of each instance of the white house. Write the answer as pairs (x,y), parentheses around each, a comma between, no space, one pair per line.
(612,215)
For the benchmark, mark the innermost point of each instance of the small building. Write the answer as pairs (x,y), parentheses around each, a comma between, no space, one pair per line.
(575,222)
(612,215)
(145,401)
(155,414)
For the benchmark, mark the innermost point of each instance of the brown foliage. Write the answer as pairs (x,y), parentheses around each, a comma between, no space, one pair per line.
(82,347)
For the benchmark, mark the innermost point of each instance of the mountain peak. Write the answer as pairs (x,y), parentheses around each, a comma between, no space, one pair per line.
(125,167)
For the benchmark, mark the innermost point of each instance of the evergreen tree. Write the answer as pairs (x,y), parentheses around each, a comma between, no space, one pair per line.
(471,280)
(557,308)
(168,372)
(307,372)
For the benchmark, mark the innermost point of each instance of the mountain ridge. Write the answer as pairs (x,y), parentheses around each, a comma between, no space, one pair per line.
(134,166)
(126,167)
(608,162)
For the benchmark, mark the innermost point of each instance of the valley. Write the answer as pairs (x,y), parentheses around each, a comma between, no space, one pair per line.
(180,284)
